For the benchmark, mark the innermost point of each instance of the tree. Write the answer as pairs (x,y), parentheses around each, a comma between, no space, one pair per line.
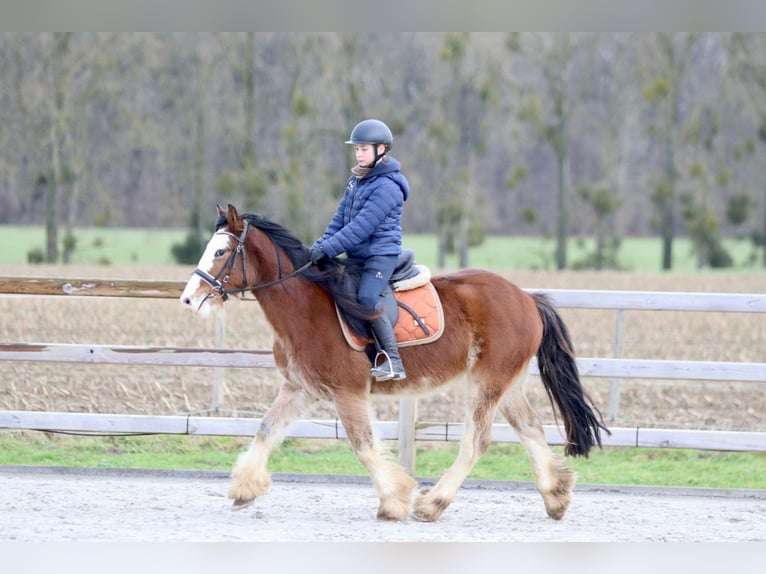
(54,77)
(604,92)
(604,203)
(749,66)
(549,112)
(702,223)
(244,180)
(459,126)
(668,59)
(195,58)
(709,170)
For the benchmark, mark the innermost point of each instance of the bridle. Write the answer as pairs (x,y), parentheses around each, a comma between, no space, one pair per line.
(219,282)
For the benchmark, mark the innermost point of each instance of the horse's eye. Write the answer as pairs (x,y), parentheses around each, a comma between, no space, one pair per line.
(220,252)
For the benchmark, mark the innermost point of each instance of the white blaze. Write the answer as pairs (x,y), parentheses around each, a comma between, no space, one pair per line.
(196,290)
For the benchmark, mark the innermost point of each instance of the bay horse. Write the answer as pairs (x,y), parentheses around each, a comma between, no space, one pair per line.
(492,331)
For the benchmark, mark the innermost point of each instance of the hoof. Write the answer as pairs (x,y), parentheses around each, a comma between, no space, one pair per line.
(386,518)
(420,516)
(429,509)
(394,510)
(241,503)
(397,504)
(556,513)
(556,506)
(557,500)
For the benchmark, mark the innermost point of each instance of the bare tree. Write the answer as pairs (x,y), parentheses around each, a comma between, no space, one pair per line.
(748,53)
(54,80)
(460,127)
(549,112)
(668,63)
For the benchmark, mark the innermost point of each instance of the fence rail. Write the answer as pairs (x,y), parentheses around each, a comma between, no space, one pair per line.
(91,287)
(387,430)
(407,429)
(242,358)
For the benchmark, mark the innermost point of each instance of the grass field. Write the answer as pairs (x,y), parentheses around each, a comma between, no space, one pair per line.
(124,246)
(96,246)
(632,466)
(636,254)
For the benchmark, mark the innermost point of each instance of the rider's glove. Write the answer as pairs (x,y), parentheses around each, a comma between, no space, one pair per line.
(317,254)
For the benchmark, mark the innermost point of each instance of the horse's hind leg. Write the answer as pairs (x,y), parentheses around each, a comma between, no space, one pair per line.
(250,477)
(553,479)
(481,408)
(393,484)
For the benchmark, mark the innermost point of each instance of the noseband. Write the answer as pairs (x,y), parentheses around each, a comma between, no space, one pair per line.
(218,283)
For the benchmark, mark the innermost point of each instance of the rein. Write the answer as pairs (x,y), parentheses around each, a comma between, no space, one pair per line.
(219,284)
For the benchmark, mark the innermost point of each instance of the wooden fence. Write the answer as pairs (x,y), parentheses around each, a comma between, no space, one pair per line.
(406,430)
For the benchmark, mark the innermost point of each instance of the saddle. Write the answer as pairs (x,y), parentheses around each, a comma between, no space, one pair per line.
(411,303)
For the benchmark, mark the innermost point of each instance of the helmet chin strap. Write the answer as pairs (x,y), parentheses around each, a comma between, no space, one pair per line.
(378,156)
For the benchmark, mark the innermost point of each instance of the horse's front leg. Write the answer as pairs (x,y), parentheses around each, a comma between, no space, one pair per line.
(250,477)
(393,484)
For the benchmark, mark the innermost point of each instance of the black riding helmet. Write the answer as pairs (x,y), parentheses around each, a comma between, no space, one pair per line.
(372,132)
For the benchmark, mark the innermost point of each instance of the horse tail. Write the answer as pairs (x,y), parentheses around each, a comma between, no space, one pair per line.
(558,371)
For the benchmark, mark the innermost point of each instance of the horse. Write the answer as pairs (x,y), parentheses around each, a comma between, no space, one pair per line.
(493,329)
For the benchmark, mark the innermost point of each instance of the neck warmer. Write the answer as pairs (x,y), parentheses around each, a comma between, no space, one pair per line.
(360,171)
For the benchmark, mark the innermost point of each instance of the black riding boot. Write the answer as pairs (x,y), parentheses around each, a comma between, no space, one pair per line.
(385,340)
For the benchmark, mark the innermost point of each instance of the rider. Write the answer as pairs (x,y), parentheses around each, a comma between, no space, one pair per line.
(367,227)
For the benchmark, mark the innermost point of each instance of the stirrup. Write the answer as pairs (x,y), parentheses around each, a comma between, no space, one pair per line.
(381,374)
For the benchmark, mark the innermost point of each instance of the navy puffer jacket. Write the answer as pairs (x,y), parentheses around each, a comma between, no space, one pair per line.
(368,219)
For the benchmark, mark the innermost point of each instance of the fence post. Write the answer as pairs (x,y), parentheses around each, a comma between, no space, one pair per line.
(614,384)
(408,407)
(219,335)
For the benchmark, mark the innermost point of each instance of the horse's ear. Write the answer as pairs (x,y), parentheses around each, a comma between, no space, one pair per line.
(221,211)
(232,219)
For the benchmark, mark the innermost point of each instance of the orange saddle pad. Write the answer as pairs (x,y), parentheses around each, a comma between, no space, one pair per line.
(425,302)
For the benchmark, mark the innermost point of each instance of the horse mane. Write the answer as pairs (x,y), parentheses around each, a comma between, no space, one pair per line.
(279,235)
(330,274)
